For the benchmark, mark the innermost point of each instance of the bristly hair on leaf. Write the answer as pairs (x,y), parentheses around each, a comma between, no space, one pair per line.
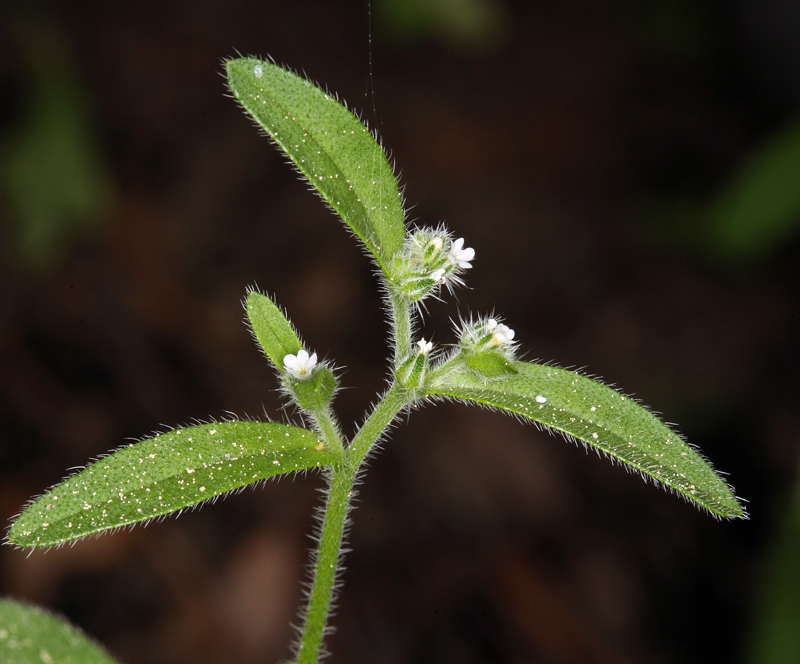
(168,473)
(584,409)
(329,146)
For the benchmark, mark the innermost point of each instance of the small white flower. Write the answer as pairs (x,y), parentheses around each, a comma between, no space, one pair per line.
(301,365)
(425,346)
(460,256)
(491,324)
(503,335)
(438,276)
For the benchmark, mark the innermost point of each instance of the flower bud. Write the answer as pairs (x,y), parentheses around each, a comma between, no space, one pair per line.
(414,370)
(315,392)
(490,364)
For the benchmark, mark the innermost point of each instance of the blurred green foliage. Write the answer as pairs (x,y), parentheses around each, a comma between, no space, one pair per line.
(775,637)
(679,29)
(759,208)
(54,183)
(465,24)
(754,213)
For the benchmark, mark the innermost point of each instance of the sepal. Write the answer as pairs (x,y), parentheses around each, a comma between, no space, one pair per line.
(314,393)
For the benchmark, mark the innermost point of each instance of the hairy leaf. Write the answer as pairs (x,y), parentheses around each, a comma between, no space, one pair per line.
(29,635)
(272,330)
(165,474)
(329,146)
(584,409)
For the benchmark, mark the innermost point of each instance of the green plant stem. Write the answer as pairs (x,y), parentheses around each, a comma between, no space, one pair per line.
(329,428)
(340,485)
(381,417)
(340,491)
(401,319)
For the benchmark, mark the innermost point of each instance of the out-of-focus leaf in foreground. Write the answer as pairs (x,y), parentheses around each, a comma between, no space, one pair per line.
(29,635)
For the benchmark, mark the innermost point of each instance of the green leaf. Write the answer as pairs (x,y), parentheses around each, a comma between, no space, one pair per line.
(29,635)
(272,330)
(583,409)
(165,474)
(329,146)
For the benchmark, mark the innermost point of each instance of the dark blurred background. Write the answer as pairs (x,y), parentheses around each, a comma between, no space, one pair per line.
(629,173)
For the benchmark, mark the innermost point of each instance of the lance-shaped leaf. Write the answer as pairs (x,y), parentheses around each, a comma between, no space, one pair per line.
(329,146)
(164,474)
(584,409)
(29,635)
(272,330)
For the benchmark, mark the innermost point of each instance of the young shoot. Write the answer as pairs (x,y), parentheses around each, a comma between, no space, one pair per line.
(347,167)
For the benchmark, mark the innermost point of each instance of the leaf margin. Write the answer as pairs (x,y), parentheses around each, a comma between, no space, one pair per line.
(735,507)
(383,242)
(323,451)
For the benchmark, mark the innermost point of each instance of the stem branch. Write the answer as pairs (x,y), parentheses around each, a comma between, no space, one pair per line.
(340,491)
(328,427)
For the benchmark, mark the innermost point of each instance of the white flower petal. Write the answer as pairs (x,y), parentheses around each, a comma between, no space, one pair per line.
(301,365)
(460,256)
(502,335)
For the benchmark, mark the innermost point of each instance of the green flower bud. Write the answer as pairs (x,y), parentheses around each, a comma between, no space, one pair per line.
(414,370)
(315,392)
(490,364)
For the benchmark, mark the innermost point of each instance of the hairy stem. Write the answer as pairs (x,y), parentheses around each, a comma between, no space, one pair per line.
(340,491)
(341,479)
(401,321)
(376,424)
(329,428)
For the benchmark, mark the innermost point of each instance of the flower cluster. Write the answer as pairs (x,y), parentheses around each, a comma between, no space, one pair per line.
(429,259)
(487,335)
